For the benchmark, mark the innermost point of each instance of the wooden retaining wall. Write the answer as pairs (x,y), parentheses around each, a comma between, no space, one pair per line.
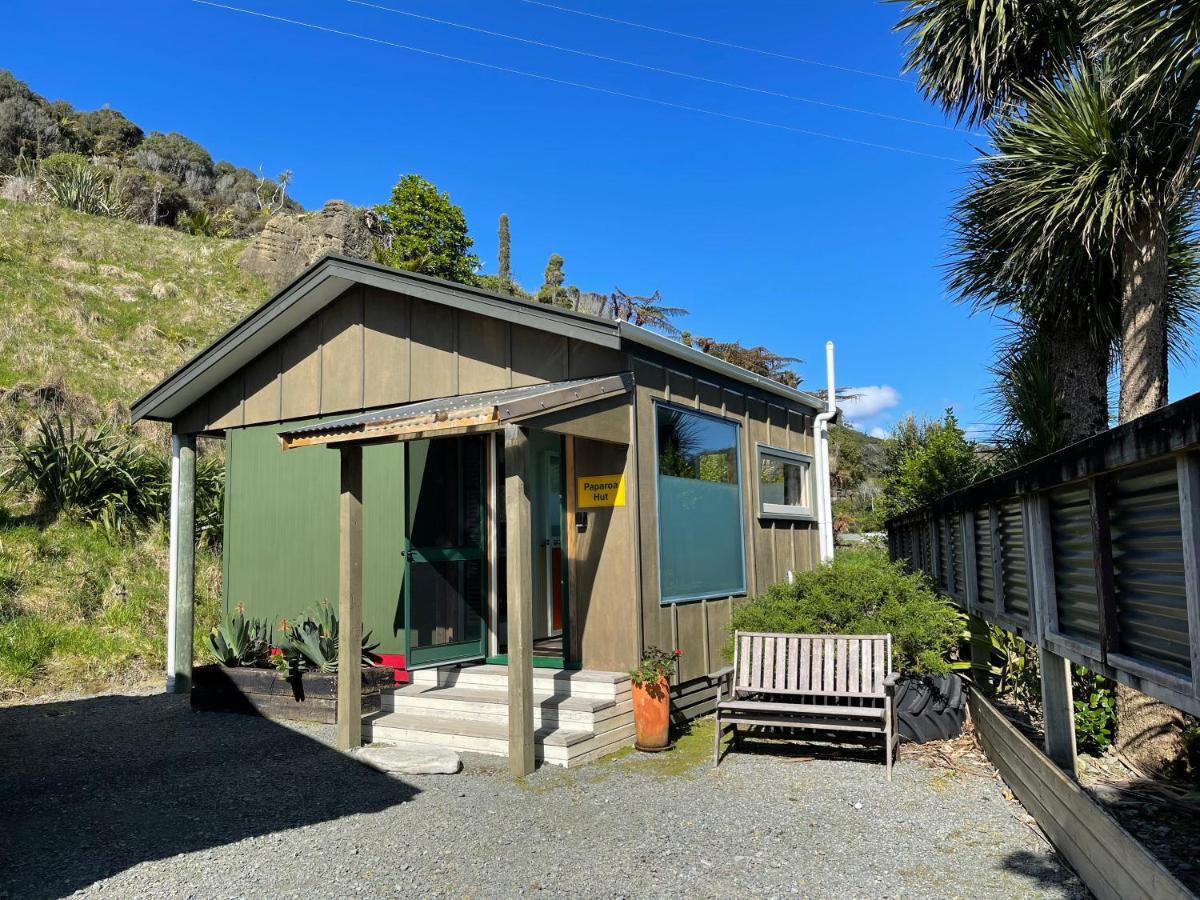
(1111,862)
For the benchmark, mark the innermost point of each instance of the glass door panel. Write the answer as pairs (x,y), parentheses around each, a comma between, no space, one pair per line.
(446,581)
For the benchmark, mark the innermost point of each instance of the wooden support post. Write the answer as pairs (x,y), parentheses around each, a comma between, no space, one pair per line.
(1058,708)
(181,565)
(519,557)
(350,541)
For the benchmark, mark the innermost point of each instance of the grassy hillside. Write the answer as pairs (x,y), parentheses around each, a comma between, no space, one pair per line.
(99,310)
(105,306)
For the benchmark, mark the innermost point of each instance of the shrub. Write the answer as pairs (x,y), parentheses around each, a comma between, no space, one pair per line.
(80,474)
(72,182)
(105,477)
(153,198)
(861,592)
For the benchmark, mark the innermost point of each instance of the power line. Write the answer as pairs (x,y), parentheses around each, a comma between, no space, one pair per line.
(715,42)
(577,84)
(649,68)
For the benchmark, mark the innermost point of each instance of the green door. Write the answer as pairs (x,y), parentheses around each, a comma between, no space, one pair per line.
(445,584)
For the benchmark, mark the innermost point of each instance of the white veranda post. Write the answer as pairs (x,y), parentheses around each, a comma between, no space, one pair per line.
(181,565)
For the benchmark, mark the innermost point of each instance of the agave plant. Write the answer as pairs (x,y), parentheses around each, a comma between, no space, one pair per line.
(312,643)
(239,641)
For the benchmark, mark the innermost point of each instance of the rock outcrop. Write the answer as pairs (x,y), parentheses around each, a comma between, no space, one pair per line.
(290,242)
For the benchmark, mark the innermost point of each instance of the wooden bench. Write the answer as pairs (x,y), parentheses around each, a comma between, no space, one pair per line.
(819,682)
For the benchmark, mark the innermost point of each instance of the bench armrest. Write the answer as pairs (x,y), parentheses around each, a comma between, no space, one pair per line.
(889,683)
(724,679)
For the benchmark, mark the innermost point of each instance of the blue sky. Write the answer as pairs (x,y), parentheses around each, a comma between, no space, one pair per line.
(767,234)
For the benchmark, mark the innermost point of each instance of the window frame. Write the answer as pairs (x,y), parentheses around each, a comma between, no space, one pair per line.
(663,599)
(779,510)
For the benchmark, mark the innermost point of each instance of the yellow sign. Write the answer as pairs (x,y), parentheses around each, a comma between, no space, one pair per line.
(593,491)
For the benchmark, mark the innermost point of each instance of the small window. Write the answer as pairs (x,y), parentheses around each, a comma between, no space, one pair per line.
(784,484)
(700,534)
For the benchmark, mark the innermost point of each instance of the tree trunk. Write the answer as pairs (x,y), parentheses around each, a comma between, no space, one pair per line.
(1149,733)
(1144,318)
(1080,371)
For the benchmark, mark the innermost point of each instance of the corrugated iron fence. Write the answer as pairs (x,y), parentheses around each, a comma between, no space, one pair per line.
(1093,552)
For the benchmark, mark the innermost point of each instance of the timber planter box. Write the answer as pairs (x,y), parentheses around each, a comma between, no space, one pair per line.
(310,697)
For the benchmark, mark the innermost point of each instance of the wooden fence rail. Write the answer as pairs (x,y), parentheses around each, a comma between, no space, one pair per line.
(1093,552)
(1111,862)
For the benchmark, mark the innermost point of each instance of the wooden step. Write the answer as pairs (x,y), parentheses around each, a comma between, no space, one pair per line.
(581,712)
(589,683)
(555,746)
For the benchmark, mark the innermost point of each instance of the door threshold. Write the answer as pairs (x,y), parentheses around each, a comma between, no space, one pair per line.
(539,662)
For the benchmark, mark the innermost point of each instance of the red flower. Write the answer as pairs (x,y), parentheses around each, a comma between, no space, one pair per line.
(275,651)
(678,652)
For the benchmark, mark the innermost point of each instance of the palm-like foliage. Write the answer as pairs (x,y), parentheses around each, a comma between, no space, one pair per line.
(1041,227)
(1036,230)
(1026,398)
(972,57)
(645,312)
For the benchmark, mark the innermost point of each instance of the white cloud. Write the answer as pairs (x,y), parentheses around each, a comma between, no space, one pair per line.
(869,401)
(878,432)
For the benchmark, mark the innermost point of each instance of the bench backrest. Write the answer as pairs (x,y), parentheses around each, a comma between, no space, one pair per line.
(817,664)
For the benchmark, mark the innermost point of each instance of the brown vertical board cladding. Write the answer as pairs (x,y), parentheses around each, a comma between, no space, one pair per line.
(300,381)
(482,354)
(537,356)
(371,348)
(587,360)
(650,381)
(433,364)
(225,403)
(342,353)
(602,589)
(772,547)
(263,387)
(385,348)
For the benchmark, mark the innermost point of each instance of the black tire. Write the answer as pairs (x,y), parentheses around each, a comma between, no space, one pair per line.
(930,708)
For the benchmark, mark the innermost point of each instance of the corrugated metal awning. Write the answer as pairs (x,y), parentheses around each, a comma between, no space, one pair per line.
(461,414)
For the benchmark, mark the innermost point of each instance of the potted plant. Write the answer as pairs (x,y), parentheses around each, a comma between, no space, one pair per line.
(651,702)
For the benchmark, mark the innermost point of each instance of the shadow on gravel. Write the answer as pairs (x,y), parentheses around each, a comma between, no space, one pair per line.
(1046,872)
(89,788)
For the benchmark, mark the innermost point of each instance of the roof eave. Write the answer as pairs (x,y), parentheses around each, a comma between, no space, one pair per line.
(646,338)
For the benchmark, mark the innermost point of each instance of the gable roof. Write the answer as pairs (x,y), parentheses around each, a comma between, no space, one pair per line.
(328,278)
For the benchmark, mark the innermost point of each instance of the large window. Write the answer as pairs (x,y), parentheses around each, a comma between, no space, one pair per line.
(784,484)
(700,552)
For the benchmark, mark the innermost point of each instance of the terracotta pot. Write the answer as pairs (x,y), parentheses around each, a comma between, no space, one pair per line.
(652,715)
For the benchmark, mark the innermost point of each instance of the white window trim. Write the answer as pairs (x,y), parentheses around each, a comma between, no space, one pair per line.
(780,510)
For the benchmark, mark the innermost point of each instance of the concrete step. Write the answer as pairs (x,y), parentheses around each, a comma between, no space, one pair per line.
(491,704)
(556,746)
(576,683)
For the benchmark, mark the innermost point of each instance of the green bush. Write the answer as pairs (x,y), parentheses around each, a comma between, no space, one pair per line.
(861,592)
(72,182)
(104,476)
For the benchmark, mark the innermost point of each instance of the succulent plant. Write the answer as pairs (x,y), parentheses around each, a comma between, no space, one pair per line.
(312,643)
(239,641)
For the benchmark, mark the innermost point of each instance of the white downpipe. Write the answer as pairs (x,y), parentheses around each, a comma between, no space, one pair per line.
(172,553)
(824,496)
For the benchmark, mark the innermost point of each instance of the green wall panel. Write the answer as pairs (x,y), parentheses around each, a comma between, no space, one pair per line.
(281,530)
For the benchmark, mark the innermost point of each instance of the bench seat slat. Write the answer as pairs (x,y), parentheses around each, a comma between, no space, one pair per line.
(805,709)
(813,723)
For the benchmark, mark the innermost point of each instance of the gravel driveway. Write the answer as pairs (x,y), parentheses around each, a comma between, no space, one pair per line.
(137,796)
